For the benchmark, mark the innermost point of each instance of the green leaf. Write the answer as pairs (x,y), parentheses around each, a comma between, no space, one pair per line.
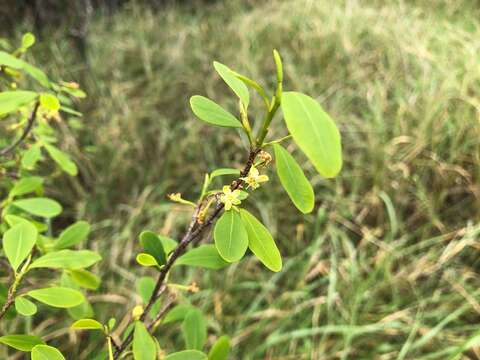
(62,159)
(60,297)
(87,324)
(73,235)
(261,242)
(13,62)
(194,330)
(45,352)
(67,259)
(152,245)
(28,40)
(238,87)
(177,313)
(144,347)
(212,113)
(85,279)
(25,307)
(18,242)
(13,100)
(31,157)
(293,180)
(187,355)
(21,342)
(13,220)
(231,238)
(224,171)
(145,286)
(220,349)
(49,102)
(205,256)
(26,185)
(10,60)
(40,206)
(314,132)
(168,244)
(84,310)
(146,260)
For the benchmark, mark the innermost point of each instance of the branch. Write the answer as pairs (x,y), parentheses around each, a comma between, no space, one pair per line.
(192,235)
(25,133)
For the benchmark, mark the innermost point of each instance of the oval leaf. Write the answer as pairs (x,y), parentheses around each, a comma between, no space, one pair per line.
(85,279)
(231,238)
(67,259)
(49,102)
(152,245)
(205,256)
(45,352)
(87,324)
(40,206)
(25,307)
(293,180)
(26,185)
(238,87)
(73,235)
(187,355)
(18,242)
(168,244)
(194,330)
(212,113)
(62,159)
(144,347)
(146,260)
(224,171)
(261,242)
(21,342)
(314,132)
(60,297)
(31,157)
(13,100)
(220,349)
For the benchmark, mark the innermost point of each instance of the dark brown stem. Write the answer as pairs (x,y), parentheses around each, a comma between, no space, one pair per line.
(25,133)
(193,234)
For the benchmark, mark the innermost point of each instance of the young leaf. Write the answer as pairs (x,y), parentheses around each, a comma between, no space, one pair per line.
(13,100)
(28,39)
(293,180)
(146,260)
(62,159)
(18,242)
(21,342)
(26,185)
(212,113)
(45,352)
(73,235)
(25,307)
(152,245)
(230,236)
(314,132)
(205,256)
(224,171)
(144,347)
(194,329)
(85,279)
(187,355)
(238,87)
(60,297)
(40,206)
(49,102)
(67,259)
(261,242)
(220,349)
(13,62)
(87,324)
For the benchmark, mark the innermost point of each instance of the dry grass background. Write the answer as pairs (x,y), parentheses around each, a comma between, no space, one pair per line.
(387,268)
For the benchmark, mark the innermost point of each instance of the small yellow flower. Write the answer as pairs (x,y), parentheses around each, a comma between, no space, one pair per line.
(254,178)
(229,197)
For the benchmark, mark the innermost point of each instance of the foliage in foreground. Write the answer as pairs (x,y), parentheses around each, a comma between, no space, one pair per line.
(27,229)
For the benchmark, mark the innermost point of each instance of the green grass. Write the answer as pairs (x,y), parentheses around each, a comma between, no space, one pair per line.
(387,268)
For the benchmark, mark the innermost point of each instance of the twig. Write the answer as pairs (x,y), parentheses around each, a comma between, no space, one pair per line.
(194,231)
(25,133)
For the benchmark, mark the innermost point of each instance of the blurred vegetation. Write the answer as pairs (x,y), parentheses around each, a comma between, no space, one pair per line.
(388,266)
